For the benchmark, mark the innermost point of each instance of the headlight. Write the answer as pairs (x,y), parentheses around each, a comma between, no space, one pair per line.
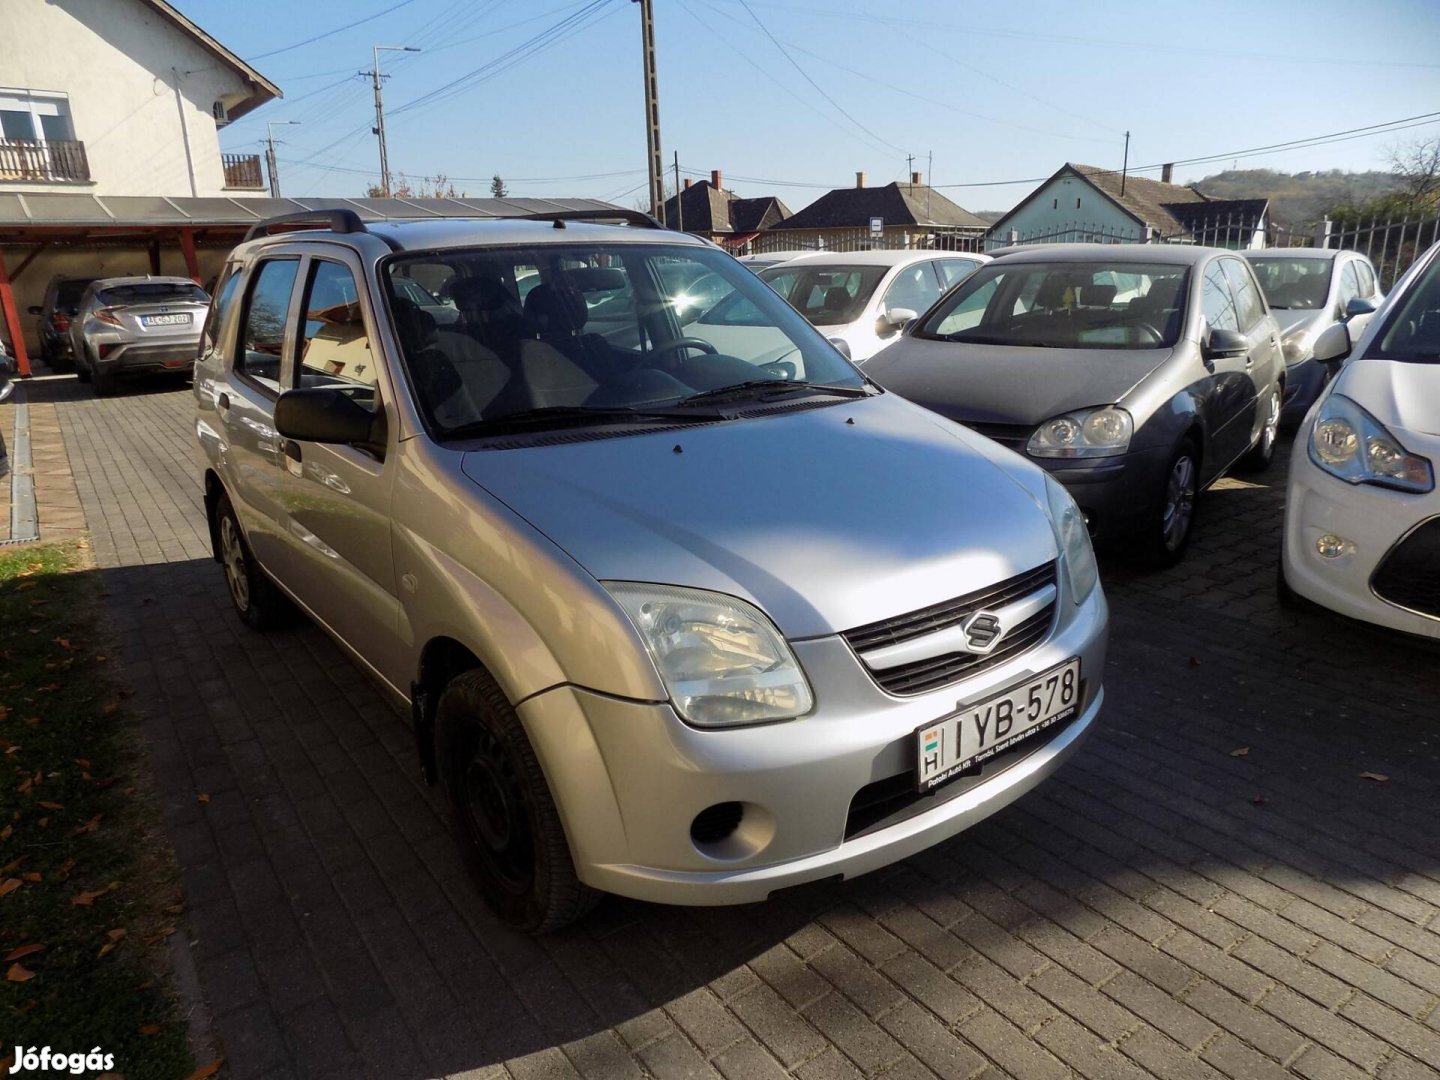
(1085,433)
(1074,540)
(1296,343)
(722,661)
(1347,442)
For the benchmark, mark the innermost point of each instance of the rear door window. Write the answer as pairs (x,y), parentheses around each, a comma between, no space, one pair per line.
(1217,303)
(953,270)
(334,346)
(915,287)
(219,313)
(1249,307)
(1349,283)
(262,337)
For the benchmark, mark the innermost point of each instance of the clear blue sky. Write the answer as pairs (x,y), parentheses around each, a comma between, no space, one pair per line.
(995,91)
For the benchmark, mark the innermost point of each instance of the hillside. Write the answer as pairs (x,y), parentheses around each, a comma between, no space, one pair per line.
(1298,198)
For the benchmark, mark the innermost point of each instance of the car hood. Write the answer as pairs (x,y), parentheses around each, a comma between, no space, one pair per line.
(1399,395)
(1288,318)
(826,518)
(1006,384)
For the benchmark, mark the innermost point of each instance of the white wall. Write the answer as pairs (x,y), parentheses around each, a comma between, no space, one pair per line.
(1053,210)
(119,61)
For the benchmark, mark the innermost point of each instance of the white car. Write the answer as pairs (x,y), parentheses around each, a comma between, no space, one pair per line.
(863,298)
(1362,515)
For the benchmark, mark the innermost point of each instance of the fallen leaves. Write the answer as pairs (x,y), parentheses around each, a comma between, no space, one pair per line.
(1379,778)
(1242,751)
(116,936)
(10,885)
(149,1029)
(19,973)
(89,896)
(90,826)
(204,796)
(206,1071)
(22,952)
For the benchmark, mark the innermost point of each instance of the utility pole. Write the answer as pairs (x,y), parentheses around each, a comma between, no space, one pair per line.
(270,163)
(679,206)
(1125,167)
(379,129)
(656,166)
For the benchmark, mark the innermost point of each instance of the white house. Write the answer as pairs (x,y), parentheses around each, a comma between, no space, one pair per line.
(1084,204)
(120,97)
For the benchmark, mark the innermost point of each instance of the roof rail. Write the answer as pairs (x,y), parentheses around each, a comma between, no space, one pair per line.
(339,220)
(630,217)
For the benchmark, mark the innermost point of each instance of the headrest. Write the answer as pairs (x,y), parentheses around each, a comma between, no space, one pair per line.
(478,295)
(556,307)
(1097,295)
(837,298)
(1051,293)
(413,325)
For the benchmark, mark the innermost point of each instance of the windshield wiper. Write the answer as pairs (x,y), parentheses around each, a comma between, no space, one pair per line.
(772,386)
(550,414)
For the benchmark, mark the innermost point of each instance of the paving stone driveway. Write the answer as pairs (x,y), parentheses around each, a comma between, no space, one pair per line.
(1210,889)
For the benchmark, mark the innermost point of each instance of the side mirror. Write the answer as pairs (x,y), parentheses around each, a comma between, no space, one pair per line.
(910,326)
(1333,344)
(1358,305)
(899,316)
(841,346)
(35,309)
(322,414)
(1223,343)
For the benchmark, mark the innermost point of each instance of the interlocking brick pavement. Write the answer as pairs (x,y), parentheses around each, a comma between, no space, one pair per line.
(1209,890)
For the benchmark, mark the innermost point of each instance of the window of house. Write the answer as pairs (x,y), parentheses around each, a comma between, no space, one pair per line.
(32,116)
(262,340)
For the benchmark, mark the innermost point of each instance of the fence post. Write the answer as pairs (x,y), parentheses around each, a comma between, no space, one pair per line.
(1322,233)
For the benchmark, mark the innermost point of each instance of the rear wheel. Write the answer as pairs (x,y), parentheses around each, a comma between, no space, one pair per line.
(104,382)
(1258,459)
(503,815)
(82,365)
(1169,532)
(260,605)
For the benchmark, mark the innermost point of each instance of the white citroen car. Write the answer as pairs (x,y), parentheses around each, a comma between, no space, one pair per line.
(1362,516)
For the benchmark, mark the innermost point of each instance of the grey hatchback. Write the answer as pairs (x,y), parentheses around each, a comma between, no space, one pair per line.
(652,638)
(1136,375)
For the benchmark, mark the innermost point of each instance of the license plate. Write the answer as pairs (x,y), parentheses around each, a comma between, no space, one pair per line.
(166,320)
(975,733)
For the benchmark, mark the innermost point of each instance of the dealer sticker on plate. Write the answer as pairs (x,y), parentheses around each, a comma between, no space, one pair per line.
(976,733)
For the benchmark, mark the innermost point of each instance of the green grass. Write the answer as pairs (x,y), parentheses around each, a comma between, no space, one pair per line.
(77,822)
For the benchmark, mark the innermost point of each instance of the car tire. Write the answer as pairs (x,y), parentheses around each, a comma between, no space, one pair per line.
(1259,456)
(256,599)
(105,385)
(1173,522)
(502,812)
(82,366)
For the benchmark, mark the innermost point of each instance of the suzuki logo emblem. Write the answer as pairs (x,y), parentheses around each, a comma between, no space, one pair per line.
(983,632)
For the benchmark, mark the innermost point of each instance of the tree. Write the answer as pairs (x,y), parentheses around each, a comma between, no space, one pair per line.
(497,187)
(1417,164)
(429,187)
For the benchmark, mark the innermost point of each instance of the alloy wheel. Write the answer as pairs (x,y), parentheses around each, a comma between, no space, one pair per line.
(1179,502)
(232,556)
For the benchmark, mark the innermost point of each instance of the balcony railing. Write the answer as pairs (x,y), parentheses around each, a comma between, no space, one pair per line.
(61,161)
(242,170)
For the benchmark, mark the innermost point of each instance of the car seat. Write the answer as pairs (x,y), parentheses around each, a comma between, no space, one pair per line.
(550,371)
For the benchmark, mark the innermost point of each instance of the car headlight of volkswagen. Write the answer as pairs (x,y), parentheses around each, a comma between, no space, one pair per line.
(1074,540)
(1349,443)
(1297,342)
(722,661)
(1085,433)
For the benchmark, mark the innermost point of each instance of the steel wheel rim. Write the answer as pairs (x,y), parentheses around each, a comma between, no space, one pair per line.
(493,812)
(1272,424)
(232,556)
(1179,501)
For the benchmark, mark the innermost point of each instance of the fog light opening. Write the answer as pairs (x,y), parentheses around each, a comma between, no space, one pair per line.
(1331,546)
(732,831)
(716,823)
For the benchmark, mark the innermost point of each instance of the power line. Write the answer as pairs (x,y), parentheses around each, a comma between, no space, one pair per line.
(331,33)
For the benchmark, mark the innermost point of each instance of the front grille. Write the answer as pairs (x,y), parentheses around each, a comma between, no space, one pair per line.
(1410,575)
(933,672)
(1011,436)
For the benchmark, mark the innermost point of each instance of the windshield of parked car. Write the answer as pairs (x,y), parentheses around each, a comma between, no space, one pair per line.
(1105,304)
(827,295)
(1411,332)
(1299,284)
(151,292)
(67,296)
(599,327)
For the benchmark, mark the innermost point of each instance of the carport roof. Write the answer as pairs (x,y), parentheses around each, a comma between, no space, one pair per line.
(20,213)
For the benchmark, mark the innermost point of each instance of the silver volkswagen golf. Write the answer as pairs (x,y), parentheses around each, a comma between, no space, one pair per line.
(669,622)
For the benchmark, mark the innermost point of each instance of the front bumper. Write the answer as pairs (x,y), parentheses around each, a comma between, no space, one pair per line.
(1118,495)
(1303,383)
(629,778)
(1375,520)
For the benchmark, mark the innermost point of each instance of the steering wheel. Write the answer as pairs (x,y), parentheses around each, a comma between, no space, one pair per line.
(1146,329)
(684,343)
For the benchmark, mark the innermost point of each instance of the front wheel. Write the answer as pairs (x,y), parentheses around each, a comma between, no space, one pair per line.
(1168,534)
(1259,456)
(503,815)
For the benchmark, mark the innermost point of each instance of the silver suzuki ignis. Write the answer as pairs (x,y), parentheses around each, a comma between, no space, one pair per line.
(681,605)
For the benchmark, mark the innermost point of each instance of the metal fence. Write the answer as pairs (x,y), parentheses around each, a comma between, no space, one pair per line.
(1230,231)
(937,238)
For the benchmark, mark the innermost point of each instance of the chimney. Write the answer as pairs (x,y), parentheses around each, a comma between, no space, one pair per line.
(688,182)
(916,179)
(859,179)
(715,179)
(1167,171)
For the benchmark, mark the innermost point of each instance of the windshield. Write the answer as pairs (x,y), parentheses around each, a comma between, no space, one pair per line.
(600,327)
(1064,305)
(1299,284)
(152,292)
(1412,332)
(827,295)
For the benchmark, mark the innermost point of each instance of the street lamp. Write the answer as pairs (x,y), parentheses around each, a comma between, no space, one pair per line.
(270,163)
(379,128)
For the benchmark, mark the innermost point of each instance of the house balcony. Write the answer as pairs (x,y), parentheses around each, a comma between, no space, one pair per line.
(242,171)
(59,161)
